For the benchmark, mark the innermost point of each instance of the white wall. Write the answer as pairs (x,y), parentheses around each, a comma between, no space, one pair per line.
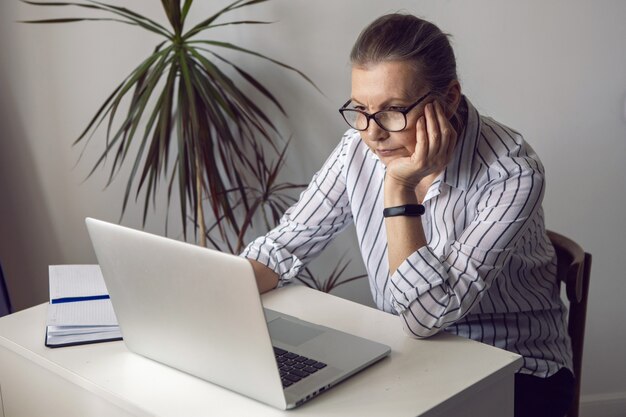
(556,71)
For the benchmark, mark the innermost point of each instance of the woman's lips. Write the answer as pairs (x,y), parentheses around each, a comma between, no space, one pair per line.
(386,152)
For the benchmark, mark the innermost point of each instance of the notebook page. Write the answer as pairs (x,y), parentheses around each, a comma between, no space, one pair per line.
(75,281)
(82,313)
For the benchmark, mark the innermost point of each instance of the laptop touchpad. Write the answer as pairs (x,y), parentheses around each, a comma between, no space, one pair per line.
(294,334)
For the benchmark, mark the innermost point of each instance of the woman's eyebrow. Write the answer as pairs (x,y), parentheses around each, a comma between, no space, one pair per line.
(384,103)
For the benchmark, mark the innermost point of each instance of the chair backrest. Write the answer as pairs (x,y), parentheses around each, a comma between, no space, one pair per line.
(5,301)
(573,269)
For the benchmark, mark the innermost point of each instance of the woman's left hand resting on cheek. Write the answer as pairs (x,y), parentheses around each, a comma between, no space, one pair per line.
(434,146)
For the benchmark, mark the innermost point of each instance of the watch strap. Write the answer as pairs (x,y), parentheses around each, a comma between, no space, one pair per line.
(411,210)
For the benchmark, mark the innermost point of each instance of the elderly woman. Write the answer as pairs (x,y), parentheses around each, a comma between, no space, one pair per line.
(447,209)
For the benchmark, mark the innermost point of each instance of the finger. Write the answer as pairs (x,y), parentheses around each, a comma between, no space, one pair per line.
(445,137)
(448,134)
(434,134)
(421,142)
(446,129)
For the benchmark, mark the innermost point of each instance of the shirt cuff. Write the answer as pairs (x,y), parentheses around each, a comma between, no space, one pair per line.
(417,275)
(275,257)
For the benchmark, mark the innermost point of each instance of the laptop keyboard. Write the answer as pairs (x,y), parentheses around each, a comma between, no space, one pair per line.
(293,367)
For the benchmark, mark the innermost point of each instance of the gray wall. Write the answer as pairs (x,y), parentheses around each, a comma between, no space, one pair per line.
(556,71)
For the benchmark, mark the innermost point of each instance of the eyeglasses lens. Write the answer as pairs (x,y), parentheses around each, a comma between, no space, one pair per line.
(389,120)
(355,119)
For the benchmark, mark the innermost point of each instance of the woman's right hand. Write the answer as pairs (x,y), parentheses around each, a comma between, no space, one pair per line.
(266,278)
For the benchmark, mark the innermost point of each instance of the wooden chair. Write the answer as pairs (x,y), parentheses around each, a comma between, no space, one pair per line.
(573,269)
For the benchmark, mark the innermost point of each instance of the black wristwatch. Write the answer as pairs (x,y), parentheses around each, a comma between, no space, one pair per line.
(411,210)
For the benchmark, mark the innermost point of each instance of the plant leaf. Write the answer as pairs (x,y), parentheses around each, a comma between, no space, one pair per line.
(141,20)
(207,22)
(240,22)
(248,3)
(172,11)
(249,78)
(249,109)
(95,5)
(76,19)
(247,51)
(185,11)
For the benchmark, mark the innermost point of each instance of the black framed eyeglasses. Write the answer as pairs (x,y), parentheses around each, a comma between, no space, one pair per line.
(389,120)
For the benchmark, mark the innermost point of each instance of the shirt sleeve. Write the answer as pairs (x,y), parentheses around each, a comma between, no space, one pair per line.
(431,292)
(308,226)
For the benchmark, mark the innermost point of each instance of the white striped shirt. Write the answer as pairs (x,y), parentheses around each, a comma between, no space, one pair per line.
(488,271)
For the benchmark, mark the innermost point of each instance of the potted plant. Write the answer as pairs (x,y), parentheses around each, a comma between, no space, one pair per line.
(181,105)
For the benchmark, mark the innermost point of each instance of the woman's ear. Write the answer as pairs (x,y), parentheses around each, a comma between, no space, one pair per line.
(453,98)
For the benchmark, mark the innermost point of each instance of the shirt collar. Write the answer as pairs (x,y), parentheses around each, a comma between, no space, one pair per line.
(458,172)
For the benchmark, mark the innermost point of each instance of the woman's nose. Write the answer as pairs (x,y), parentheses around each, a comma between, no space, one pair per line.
(375,133)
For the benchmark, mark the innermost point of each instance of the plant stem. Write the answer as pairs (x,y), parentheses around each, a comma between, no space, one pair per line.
(200,193)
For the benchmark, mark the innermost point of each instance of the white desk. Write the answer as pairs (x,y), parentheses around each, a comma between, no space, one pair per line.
(443,375)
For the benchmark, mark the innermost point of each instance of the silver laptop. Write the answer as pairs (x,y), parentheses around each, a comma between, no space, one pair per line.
(198,310)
